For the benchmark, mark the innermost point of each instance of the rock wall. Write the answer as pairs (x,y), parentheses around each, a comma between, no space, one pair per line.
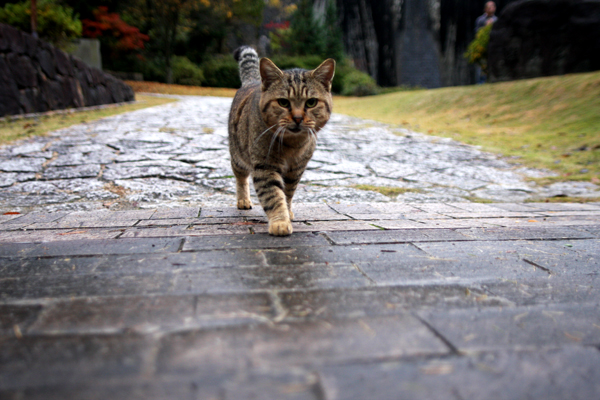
(545,37)
(36,77)
(417,48)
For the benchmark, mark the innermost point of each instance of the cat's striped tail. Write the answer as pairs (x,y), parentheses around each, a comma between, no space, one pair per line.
(248,62)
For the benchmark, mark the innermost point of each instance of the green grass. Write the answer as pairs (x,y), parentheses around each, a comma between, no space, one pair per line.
(164,88)
(39,126)
(563,199)
(386,190)
(550,122)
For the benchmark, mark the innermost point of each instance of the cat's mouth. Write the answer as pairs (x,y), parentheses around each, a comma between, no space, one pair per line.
(295,129)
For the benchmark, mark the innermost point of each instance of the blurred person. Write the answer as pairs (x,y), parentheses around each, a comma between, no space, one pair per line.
(487,18)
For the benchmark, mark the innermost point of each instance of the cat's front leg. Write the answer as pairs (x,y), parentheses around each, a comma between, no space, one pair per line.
(270,191)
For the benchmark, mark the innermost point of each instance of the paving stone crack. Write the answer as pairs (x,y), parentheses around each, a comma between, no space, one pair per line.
(547,270)
(363,273)
(446,341)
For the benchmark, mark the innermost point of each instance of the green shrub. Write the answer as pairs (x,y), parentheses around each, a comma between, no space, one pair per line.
(153,69)
(56,24)
(186,72)
(477,51)
(358,83)
(221,71)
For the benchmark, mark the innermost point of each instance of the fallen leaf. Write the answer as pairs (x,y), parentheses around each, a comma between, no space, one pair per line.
(532,220)
(11,213)
(17,331)
(437,369)
(572,337)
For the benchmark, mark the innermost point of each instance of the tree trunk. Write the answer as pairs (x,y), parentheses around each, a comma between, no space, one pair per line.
(170,41)
(34,18)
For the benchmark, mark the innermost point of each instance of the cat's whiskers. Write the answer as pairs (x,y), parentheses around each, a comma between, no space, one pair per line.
(281,141)
(313,134)
(267,130)
(281,130)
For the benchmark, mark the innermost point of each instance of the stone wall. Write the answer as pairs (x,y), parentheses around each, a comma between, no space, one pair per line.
(36,77)
(545,37)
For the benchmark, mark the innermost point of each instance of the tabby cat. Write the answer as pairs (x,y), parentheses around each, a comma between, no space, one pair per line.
(273,125)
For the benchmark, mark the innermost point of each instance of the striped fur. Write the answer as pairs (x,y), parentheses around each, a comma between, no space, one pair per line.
(273,125)
(248,62)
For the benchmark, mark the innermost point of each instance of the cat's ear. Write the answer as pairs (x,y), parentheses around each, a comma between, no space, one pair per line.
(324,73)
(269,73)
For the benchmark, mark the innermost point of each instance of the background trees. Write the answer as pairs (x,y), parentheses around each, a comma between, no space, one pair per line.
(56,23)
(190,41)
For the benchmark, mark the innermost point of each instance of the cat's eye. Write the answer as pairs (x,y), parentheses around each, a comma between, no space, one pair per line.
(310,103)
(283,102)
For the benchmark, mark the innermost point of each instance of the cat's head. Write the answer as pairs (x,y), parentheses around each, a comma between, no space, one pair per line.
(296,100)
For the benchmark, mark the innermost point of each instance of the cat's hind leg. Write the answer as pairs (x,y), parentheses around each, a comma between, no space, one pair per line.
(290,181)
(242,189)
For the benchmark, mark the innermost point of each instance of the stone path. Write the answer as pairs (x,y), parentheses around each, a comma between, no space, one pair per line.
(126,274)
(177,155)
(449,301)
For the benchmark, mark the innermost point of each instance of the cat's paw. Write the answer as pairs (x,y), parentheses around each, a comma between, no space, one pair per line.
(280,228)
(291,215)
(244,204)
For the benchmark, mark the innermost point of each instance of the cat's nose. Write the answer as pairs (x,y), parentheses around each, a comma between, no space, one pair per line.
(297,119)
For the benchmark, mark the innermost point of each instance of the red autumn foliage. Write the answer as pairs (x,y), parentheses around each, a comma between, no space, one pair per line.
(278,25)
(110,24)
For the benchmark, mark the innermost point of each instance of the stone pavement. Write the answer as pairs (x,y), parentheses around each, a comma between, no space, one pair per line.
(364,301)
(138,280)
(176,155)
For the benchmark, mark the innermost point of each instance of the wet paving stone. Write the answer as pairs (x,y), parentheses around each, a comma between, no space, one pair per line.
(16,319)
(152,314)
(385,300)
(91,247)
(23,267)
(556,290)
(382,254)
(234,280)
(568,372)
(253,242)
(81,285)
(520,327)
(553,258)
(232,313)
(134,388)
(309,343)
(533,233)
(40,361)
(42,235)
(396,236)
